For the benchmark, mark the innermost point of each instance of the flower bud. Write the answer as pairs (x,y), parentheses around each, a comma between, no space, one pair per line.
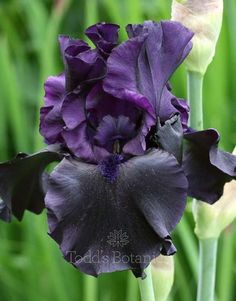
(204,18)
(211,220)
(162,276)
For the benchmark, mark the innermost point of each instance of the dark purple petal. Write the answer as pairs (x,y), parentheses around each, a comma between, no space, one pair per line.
(171,105)
(86,212)
(183,108)
(207,168)
(87,131)
(175,39)
(5,213)
(167,109)
(54,90)
(135,30)
(137,145)
(104,36)
(86,67)
(51,123)
(100,104)
(72,46)
(23,183)
(73,110)
(112,130)
(122,80)
(170,137)
(224,161)
(82,65)
(139,68)
(79,142)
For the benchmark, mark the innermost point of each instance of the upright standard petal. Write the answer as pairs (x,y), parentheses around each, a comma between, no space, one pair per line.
(51,123)
(23,183)
(104,36)
(139,68)
(87,67)
(103,226)
(73,46)
(54,90)
(82,64)
(207,168)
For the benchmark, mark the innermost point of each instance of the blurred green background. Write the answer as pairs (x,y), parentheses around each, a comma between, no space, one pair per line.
(31,267)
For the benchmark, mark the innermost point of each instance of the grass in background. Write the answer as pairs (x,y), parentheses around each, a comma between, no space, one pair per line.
(31,267)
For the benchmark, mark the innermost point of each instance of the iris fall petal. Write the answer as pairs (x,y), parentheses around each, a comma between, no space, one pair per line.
(86,212)
(206,166)
(23,183)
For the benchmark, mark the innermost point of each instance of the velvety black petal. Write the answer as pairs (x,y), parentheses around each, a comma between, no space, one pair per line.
(170,136)
(22,183)
(96,221)
(206,166)
(5,213)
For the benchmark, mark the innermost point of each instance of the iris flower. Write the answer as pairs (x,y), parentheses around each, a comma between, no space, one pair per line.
(127,159)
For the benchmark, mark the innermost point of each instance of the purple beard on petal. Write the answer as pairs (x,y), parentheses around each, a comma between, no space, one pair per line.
(109,167)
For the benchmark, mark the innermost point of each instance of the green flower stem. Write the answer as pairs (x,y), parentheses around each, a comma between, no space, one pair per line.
(195,83)
(207,247)
(207,269)
(146,286)
(132,292)
(90,288)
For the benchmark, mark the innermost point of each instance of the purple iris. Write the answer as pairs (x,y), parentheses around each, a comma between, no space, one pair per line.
(127,157)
